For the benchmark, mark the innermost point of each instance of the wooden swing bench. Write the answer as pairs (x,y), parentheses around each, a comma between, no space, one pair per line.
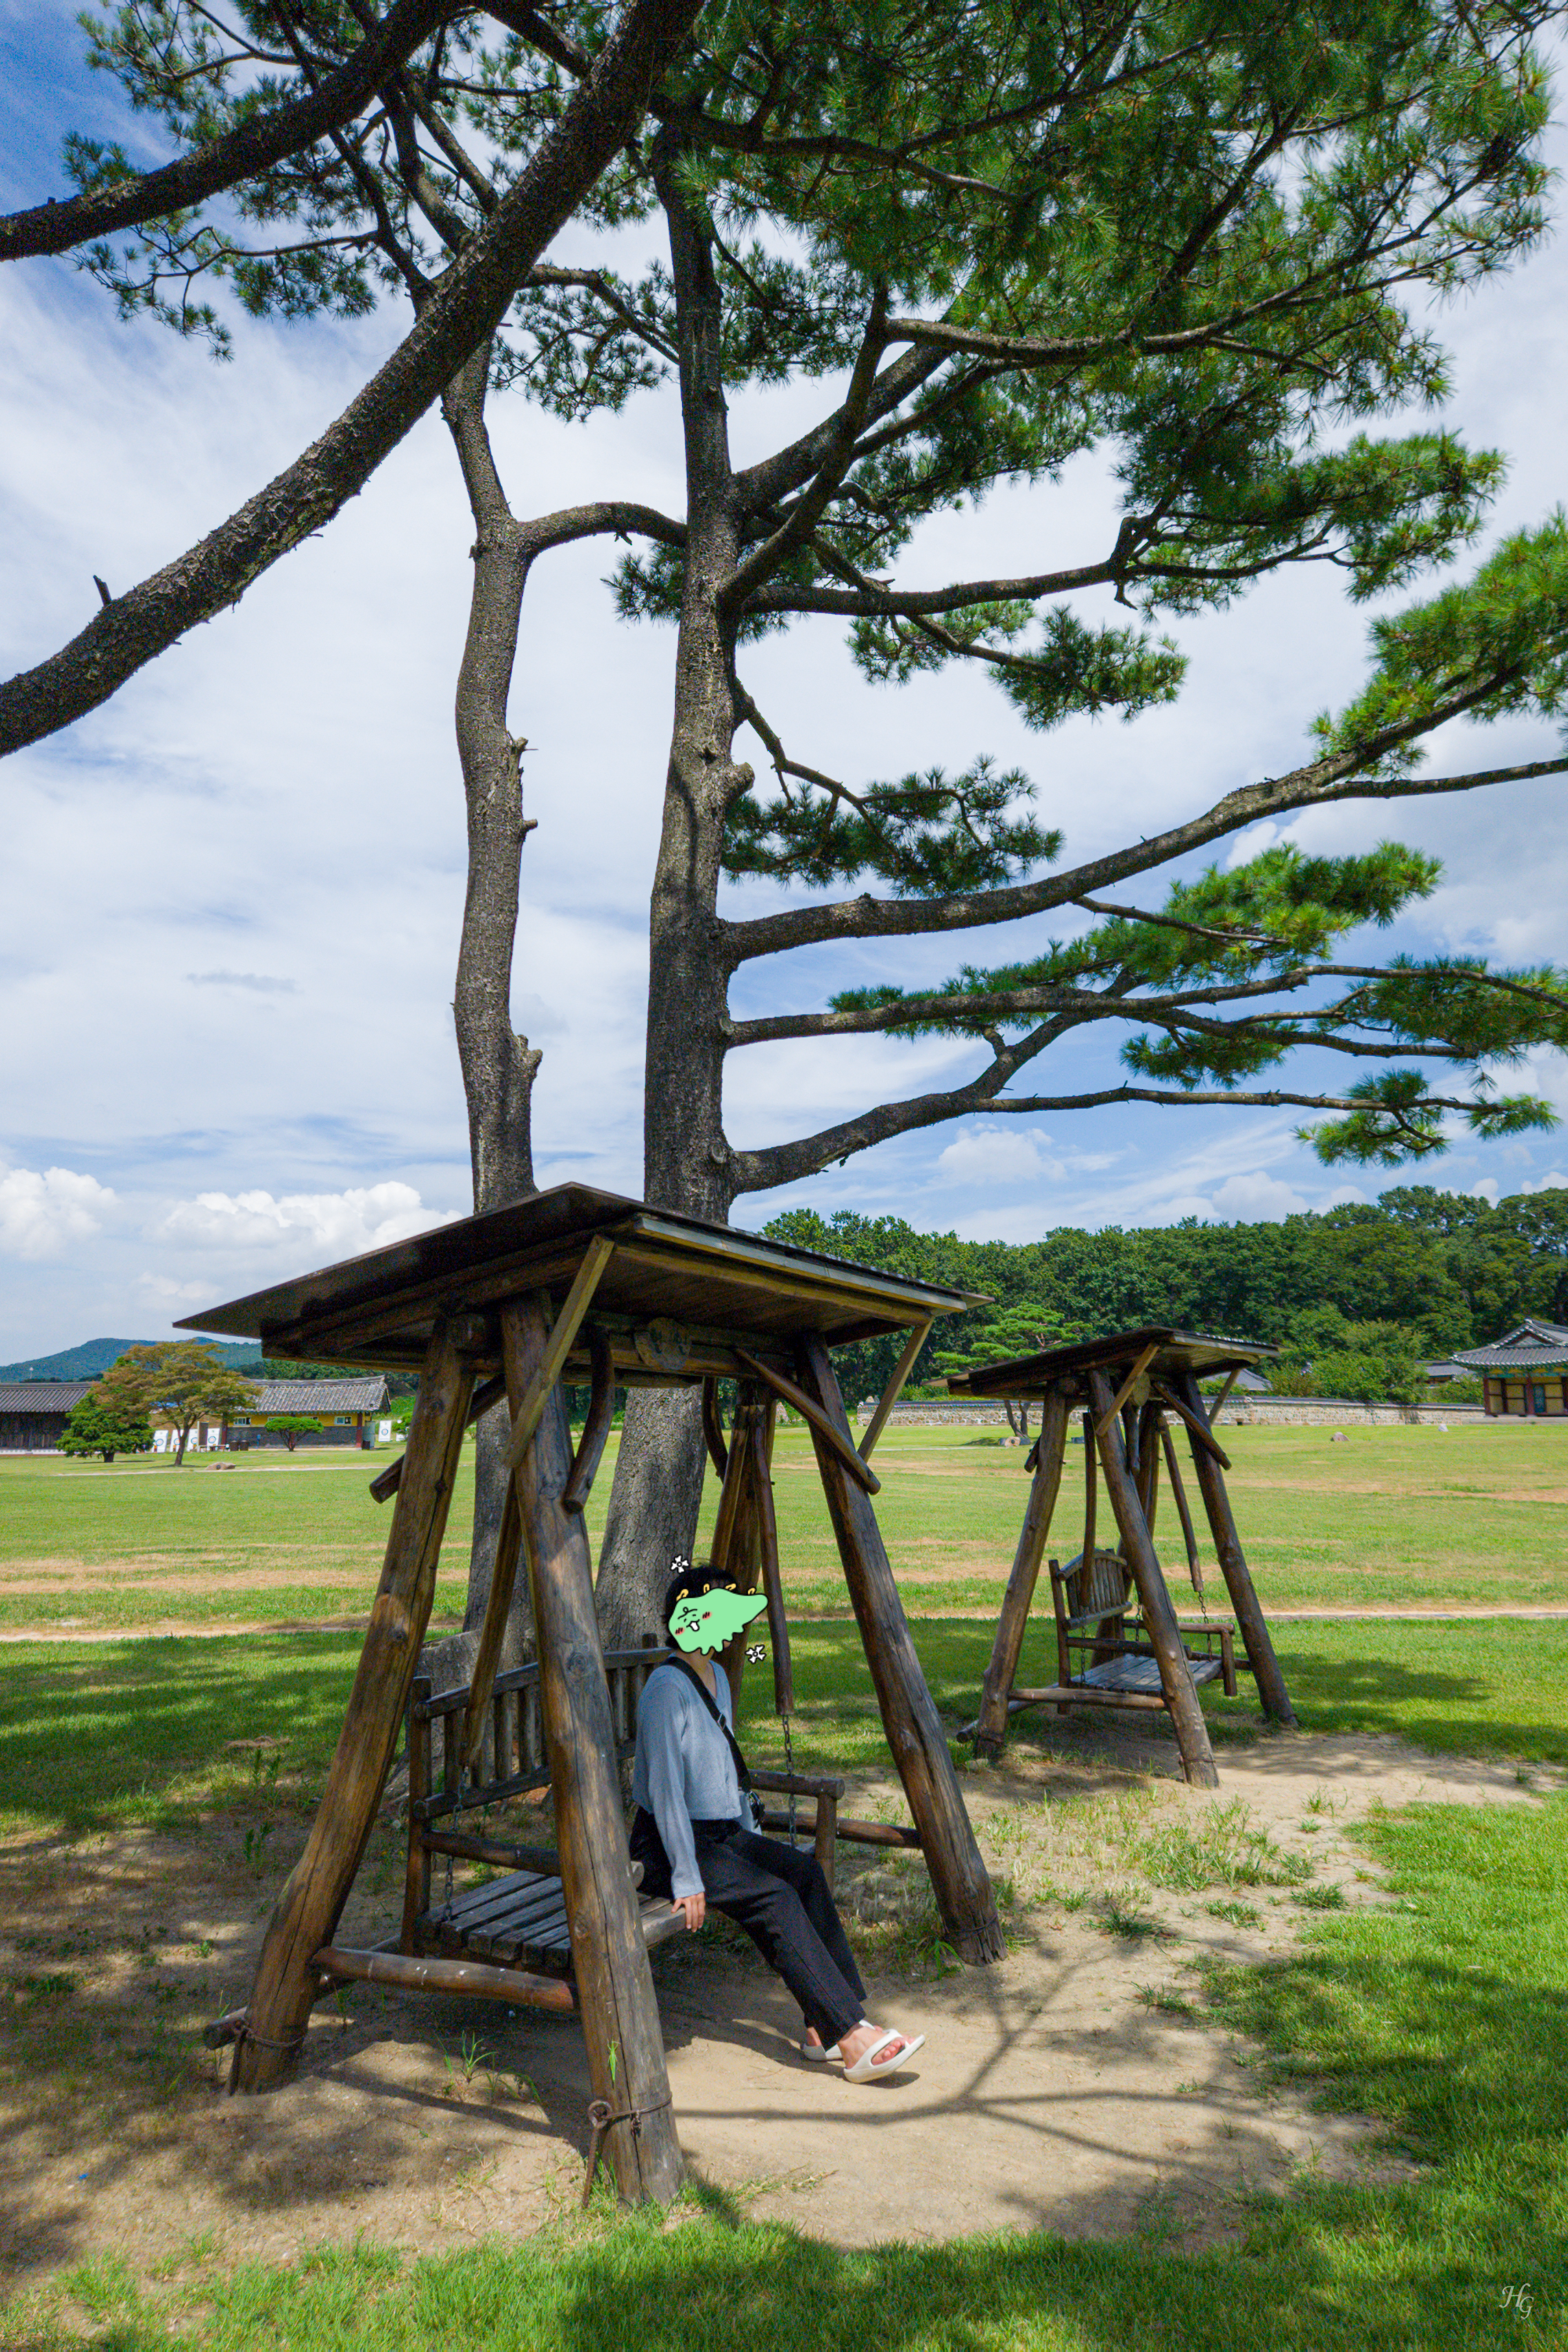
(567,1288)
(1091,1602)
(1132,1387)
(507,1937)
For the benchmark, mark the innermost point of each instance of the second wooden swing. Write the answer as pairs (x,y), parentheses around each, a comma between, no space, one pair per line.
(1130,1388)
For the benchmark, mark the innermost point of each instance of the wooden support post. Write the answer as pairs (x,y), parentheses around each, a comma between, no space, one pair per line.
(894,1389)
(1113,1405)
(526,1410)
(615,1987)
(1159,1614)
(597,1423)
(1002,1670)
(1149,1465)
(910,1719)
(1238,1576)
(820,1425)
(1195,1571)
(497,1608)
(713,1426)
(416,1868)
(768,1560)
(312,1903)
(735,1530)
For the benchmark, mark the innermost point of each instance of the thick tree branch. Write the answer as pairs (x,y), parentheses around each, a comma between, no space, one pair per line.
(1306,787)
(472,301)
(791,1163)
(809,510)
(875,603)
(759,486)
(1013,1004)
(600,517)
(223,163)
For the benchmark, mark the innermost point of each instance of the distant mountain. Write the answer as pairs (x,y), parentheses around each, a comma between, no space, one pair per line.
(95,1356)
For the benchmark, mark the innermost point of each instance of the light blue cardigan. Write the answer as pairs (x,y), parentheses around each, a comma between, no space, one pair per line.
(684,1771)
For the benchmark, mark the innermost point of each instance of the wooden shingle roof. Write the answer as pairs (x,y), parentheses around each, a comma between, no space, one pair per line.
(710,1286)
(1168,1351)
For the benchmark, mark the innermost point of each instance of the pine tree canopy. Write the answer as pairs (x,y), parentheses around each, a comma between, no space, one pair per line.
(1198,241)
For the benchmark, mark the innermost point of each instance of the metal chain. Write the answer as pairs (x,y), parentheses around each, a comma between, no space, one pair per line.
(789,1770)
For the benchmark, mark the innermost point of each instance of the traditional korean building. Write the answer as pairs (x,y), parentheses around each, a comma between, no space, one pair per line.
(33,1413)
(1525,1373)
(346,1409)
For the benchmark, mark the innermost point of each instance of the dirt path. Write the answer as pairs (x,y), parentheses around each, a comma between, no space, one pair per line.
(1049,2092)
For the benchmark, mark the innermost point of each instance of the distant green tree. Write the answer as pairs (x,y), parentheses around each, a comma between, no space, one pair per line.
(106,1426)
(292,1426)
(185,1379)
(1021,1330)
(1368,1363)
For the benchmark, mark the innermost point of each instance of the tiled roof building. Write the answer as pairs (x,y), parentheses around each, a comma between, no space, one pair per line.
(33,1413)
(346,1410)
(1525,1373)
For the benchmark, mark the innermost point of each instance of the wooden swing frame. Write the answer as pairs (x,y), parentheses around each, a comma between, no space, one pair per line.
(577,1286)
(1129,1388)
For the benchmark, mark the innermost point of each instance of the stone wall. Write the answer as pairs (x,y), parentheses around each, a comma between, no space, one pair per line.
(1252,1412)
(1318,1413)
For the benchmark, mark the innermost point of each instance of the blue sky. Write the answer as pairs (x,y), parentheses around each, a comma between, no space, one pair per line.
(229,901)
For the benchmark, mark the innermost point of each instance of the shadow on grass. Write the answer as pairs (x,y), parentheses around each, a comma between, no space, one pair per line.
(1470,1688)
(140,1733)
(1312,2278)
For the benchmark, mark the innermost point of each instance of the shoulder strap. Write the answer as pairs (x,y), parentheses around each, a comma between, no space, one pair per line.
(742,1770)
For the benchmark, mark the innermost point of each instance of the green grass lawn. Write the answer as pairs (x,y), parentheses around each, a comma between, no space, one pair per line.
(1394,1518)
(119,1733)
(1445,2019)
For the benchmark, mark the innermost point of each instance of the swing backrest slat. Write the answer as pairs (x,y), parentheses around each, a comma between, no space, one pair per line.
(517,1762)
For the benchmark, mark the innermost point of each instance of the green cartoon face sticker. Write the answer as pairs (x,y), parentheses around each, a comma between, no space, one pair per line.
(706,1621)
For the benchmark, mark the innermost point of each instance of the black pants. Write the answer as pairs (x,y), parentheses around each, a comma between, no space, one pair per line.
(781,1898)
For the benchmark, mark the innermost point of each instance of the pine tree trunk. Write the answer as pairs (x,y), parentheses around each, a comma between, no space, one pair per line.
(659,1475)
(498,1065)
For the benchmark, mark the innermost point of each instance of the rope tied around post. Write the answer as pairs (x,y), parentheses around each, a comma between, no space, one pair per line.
(601,2118)
(245,2031)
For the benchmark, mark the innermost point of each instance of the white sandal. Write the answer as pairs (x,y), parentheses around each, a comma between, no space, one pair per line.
(816,2055)
(865,2069)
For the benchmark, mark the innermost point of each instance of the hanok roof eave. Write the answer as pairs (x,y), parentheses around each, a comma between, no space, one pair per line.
(42,1396)
(1029,1376)
(377,1310)
(1546,1351)
(367,1394)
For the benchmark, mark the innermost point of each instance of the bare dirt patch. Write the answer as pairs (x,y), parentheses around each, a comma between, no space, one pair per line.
(221,1576)
(1080,2084)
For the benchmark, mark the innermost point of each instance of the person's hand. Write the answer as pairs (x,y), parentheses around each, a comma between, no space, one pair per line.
(695,1907)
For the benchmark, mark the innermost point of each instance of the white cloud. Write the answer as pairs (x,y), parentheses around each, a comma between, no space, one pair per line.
(261,983)
(163,1290)
(1552,1183)
(341,1224)
(1253,843)
(41,1211)
(1487,1190)
(996,1154)
(1257,1199)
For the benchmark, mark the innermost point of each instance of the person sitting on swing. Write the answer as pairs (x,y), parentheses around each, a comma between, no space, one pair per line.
(695,1835)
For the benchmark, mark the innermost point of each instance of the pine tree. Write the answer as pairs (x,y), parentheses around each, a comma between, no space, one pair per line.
(1190,234)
